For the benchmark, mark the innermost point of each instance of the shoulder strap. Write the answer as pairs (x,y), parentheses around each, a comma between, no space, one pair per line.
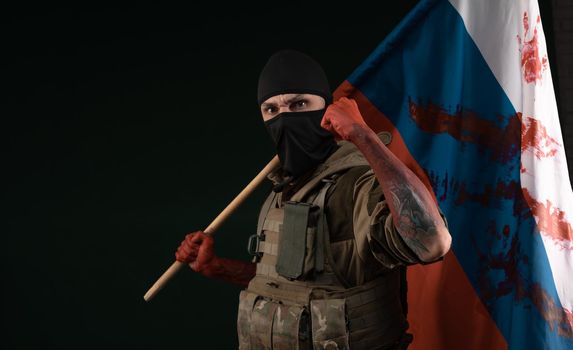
(320,232)
(256,238)
(323,236)
(264,211)
(327,170)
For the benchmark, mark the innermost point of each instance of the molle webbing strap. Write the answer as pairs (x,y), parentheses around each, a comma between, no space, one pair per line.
(270,245)
(276,289)
(292,239)
(320,232)
(273,221)
(270,260)
(268,248)
(264,210)
(268,269)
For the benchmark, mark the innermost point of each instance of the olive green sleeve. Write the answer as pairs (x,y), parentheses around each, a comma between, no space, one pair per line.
(374,228)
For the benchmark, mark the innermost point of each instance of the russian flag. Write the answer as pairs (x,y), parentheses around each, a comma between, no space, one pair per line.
(465,89)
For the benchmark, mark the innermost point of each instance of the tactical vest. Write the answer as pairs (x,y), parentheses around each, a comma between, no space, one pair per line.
(297,300)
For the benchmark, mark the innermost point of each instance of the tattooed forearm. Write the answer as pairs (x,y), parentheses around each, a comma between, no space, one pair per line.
(412,219)
(415,213)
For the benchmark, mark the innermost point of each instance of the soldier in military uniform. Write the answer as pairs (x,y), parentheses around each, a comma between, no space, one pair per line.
(335,235)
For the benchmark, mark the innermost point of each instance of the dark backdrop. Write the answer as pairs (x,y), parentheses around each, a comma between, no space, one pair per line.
(130,127)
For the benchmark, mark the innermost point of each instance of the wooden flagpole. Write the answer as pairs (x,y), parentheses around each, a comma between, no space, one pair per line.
(235,203)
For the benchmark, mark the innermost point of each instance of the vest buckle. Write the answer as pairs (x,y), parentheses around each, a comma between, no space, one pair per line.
(253,245)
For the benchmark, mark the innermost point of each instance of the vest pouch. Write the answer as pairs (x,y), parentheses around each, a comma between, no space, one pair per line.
(291,328)
(247,302)
(329,324)
(263,323)
(296,241)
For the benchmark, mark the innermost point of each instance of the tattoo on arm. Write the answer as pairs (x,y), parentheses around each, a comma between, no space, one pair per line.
(416,216)
(413,221)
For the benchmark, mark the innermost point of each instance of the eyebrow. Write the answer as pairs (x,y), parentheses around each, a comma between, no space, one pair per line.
(289,101)
(294,98)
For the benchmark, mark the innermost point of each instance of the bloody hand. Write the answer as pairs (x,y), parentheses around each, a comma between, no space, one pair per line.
(197,250)
(343,119)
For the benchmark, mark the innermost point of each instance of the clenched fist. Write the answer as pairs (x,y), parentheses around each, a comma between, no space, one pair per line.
(343,119)
(197,250)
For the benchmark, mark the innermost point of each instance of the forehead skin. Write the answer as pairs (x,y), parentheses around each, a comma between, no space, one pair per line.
(277,104)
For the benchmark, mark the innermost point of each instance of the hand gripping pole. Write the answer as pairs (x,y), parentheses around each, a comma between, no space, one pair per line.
(176,266)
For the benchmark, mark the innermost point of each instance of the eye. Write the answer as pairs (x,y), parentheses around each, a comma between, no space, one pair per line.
(298,105)
(270,110)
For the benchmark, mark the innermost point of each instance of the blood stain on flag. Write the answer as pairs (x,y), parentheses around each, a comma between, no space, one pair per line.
(554,315)
(533,66)
(534,136)
(467,126)
(514,284)
(490,194)
(551,221)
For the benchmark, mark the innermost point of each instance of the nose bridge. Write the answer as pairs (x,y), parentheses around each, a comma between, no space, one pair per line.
(283,108)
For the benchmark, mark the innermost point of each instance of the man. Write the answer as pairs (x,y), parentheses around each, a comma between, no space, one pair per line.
(335,235)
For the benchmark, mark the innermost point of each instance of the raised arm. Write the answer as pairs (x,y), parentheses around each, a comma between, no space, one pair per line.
(415,213)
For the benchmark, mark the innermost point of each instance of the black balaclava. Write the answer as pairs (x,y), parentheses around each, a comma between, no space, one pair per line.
(301,142)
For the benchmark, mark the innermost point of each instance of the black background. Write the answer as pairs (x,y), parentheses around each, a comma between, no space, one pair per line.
(128,128)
